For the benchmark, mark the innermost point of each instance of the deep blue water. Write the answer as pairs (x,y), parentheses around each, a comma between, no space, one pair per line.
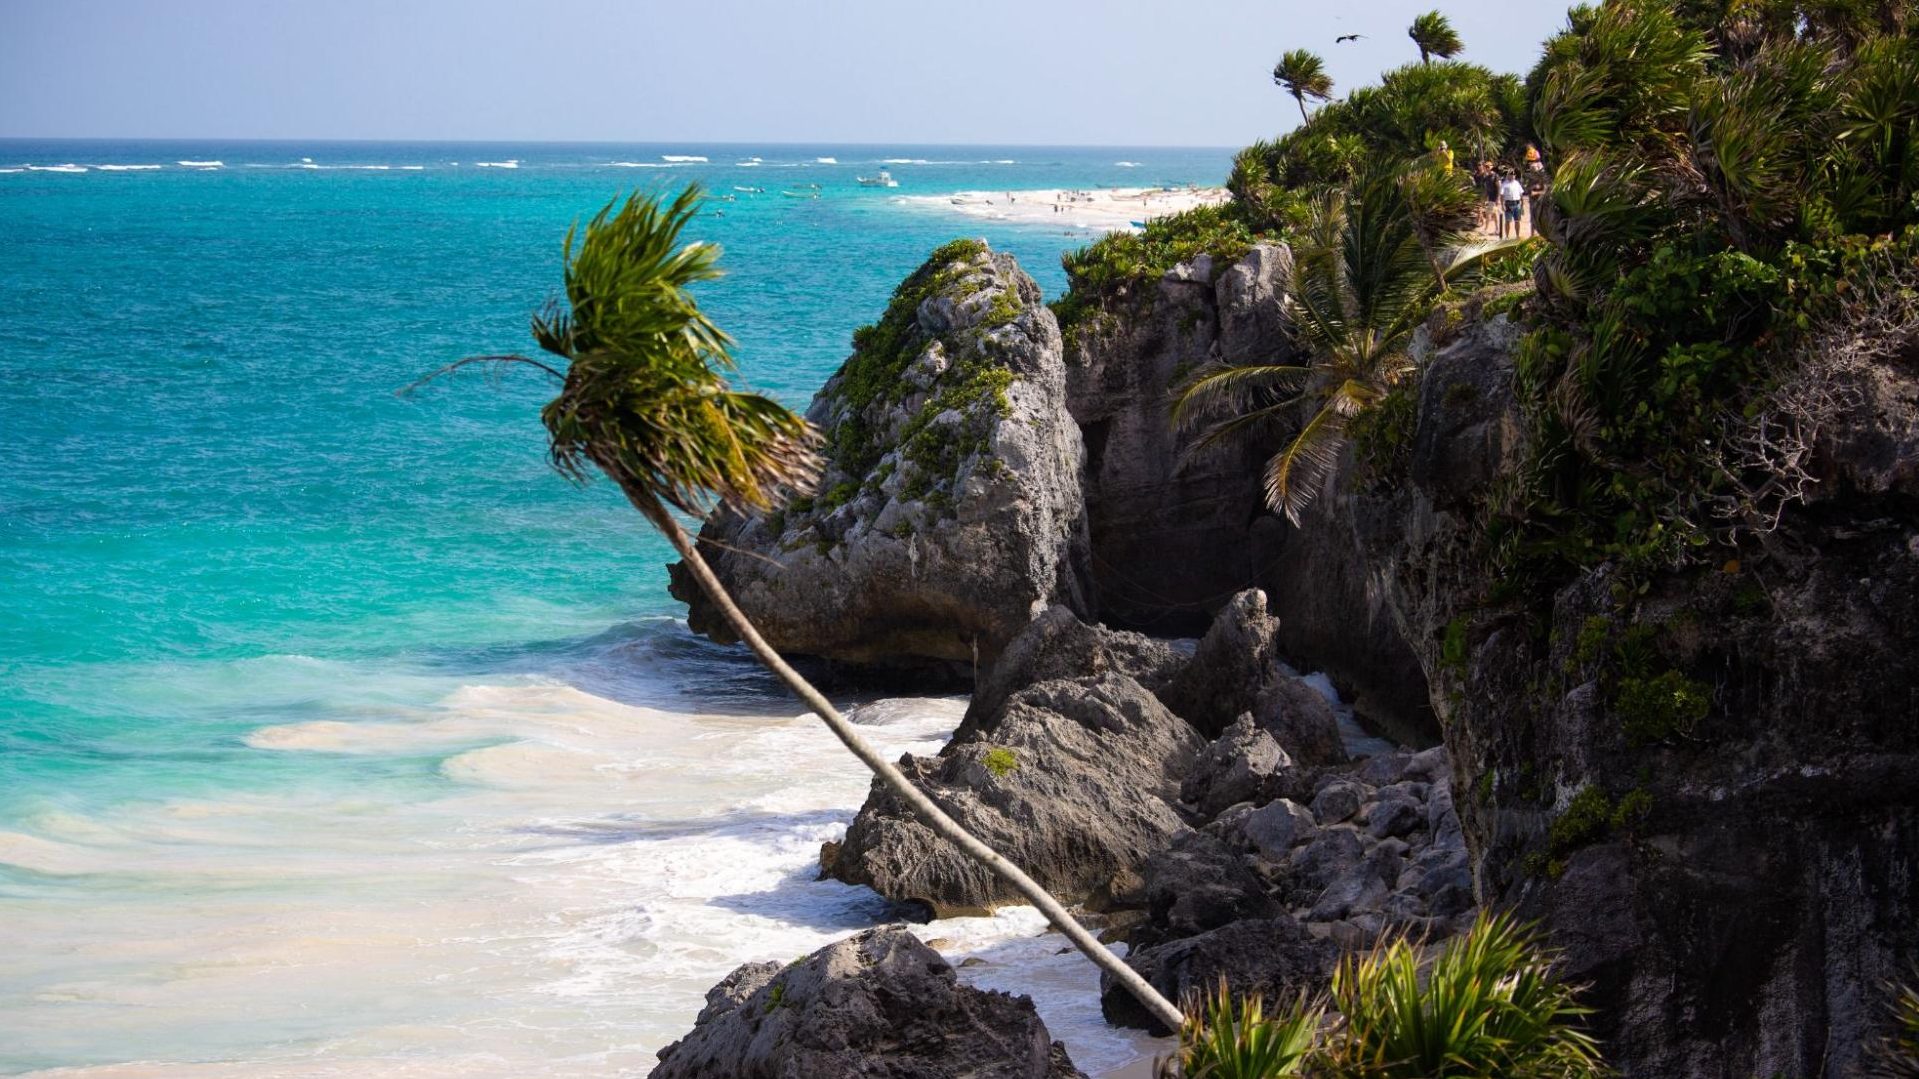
(216,515)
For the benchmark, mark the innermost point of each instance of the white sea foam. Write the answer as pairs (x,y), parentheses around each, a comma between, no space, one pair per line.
(752,164)
(904,161)
(512,164)
(128,168)
(202,164)
(587,869)
(69,168)
(1127,164)
(11,170)
(826,161)
(638,165)
(683,159)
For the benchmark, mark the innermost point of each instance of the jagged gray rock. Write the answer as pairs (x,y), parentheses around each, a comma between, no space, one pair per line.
(1301,721)
(1058,645)
(1168,528)
(1072,781)
(1244,764)
(1234,663)
(950,512)
(878,1005)
(1274,957)
(1752,882)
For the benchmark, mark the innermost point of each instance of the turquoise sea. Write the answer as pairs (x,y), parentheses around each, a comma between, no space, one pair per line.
(338,735)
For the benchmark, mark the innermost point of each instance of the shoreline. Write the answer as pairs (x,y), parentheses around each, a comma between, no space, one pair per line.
(1116,209)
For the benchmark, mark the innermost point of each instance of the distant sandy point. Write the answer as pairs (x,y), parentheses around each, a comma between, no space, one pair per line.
(1110,209)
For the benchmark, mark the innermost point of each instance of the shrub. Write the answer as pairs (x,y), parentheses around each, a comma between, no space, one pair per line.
(1660,708)
(1897,1056)
(1110,266)
(1000,761)
(1224,1038)
(1489,1005)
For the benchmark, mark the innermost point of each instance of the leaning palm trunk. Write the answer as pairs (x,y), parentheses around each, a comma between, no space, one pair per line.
(645,400)
(929,811)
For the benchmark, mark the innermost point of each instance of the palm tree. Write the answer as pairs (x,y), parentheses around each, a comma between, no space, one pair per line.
(644,399)
(1303,75)
(1435,36)
(1361,283)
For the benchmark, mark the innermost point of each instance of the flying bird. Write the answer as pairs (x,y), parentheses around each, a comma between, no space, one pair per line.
(1344,38)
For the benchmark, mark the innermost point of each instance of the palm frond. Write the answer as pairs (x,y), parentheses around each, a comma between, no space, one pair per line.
(1297,473)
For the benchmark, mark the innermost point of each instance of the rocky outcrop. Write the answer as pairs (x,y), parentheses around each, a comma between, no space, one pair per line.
(879,1005)
(1168,530)
(1058,645)
(950,511)
(1081,751)
(1700,780)
(1272,889)
(1073,780)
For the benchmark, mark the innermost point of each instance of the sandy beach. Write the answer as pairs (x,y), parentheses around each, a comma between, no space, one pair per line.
(1101,210)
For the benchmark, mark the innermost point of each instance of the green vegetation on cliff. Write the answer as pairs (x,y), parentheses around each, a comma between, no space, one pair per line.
(1728,190)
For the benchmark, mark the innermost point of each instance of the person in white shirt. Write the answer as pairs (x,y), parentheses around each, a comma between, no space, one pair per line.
(1512,197)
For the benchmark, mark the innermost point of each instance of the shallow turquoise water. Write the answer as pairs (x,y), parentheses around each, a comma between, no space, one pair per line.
(217,518)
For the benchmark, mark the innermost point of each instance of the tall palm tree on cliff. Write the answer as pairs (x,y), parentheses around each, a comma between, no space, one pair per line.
(1303,75)
(1435,36)
(644,399)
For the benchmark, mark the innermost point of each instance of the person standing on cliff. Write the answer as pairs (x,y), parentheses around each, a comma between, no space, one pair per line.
(1536,183)
(1513,197)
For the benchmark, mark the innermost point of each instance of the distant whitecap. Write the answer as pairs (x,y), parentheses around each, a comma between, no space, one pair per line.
(683,159)
(126,168)
(826,161)
(513,164)
(203,164)
(57,168)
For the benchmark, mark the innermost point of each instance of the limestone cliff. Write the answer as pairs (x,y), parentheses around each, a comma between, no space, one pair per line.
(1701,780)
(950,511)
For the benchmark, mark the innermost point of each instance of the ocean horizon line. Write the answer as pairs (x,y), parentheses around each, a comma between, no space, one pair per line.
(294,141)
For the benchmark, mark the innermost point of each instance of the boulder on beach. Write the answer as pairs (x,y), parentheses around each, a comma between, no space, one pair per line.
(1074,781)
(878,1005)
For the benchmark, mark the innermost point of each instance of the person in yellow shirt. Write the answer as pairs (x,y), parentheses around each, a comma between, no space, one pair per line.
(1445,156)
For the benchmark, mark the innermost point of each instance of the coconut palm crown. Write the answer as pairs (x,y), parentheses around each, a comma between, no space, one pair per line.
(644,398)
(1435,36)
(1303,75)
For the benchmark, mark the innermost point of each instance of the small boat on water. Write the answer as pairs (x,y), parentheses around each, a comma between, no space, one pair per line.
(884,179)
(750,190)
(801,194)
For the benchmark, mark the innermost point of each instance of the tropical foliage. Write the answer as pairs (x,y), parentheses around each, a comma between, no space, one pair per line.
(1115,265)
(1898,1054)
(1487,1005)
(1366,268)
(1224,1038)
(1725,188)
(1435,36)
(1303,75)
(1413,109)
(644,398)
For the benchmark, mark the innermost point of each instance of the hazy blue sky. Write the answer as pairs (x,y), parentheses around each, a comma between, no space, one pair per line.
(1103,72)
